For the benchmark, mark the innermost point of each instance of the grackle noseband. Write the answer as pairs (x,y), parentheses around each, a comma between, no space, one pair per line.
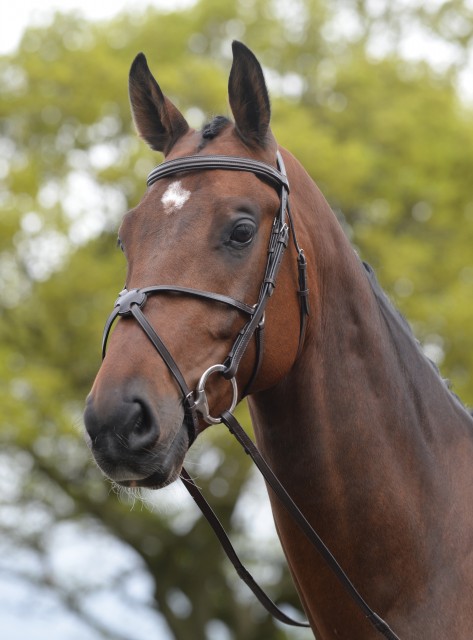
(130,302)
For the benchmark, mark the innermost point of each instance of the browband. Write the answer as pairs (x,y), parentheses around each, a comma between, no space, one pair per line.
(192,163)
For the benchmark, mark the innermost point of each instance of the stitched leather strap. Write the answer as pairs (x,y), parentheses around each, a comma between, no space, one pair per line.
(161,348)
(227,546)
(232,163)
(278,244)
(249,447)
(214,297)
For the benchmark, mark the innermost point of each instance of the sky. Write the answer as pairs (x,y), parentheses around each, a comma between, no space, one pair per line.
(15,15)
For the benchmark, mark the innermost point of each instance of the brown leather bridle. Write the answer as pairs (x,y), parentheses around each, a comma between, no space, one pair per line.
(131,302)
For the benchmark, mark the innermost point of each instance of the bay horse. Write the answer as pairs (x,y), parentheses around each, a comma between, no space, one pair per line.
(353,419)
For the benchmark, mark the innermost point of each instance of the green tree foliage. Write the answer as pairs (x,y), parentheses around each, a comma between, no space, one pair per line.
(389,142)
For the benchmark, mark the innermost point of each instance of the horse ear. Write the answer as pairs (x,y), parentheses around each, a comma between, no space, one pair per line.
(157,120)
(248,96)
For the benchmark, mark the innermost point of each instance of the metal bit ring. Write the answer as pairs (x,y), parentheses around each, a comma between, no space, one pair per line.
(201,402)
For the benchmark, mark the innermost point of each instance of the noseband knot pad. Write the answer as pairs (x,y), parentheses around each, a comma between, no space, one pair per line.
(127,298)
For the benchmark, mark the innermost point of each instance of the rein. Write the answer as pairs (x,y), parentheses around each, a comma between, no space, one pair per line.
(131,302)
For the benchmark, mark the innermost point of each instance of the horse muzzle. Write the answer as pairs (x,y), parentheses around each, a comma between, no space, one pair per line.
(127,442)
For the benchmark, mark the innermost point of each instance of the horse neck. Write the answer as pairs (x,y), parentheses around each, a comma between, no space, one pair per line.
(360,430)
(361,371)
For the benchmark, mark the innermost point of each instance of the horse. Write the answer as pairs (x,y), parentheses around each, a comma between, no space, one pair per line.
(351,416)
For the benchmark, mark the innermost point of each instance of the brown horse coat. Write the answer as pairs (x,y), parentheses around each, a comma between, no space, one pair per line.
(360,428)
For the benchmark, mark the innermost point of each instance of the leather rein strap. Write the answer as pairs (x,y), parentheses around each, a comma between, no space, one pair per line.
(250,449)
(130,303)
(231,554)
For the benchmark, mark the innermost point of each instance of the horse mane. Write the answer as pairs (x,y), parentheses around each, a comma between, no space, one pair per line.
(387,305)
(398,325)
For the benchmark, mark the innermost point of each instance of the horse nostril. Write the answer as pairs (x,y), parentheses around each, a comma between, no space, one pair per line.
(143,430)
(126,425)
(91,421)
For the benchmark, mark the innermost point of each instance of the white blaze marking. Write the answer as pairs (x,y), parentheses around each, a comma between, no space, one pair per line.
(175,197)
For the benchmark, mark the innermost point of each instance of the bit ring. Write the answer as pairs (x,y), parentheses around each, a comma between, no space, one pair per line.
(201,402)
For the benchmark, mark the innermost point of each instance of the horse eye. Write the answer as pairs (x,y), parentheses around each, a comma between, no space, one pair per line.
(120,245)
(243,233)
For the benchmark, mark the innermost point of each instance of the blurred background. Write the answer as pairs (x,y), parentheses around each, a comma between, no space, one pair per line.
(375,98)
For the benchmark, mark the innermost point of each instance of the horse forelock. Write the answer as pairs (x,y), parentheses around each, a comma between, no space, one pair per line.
(212,129)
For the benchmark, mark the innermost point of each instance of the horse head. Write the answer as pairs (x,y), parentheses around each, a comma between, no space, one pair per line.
(197,249)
